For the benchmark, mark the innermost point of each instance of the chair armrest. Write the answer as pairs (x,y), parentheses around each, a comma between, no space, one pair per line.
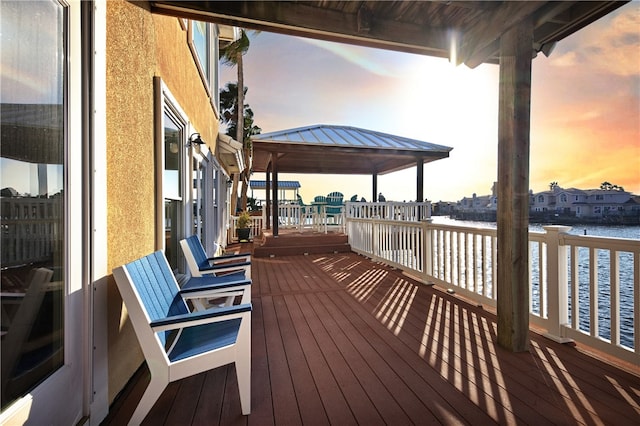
(225,266)
(227,257)
(198,317)
(212,295)
(210,283)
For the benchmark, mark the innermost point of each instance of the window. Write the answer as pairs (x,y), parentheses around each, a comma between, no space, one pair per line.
(540,198)
(564,198)
(201,38)
(204,198)
(202,42)
(172,167)
(33,165)
(172,187)
(197,190)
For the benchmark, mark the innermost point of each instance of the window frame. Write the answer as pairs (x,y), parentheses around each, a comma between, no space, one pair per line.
(165,103)
(206,66)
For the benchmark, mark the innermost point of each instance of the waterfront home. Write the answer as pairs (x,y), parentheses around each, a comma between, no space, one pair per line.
(584,203)
(589,204)
(134,162)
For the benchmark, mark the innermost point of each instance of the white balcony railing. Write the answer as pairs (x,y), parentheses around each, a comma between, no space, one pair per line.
(390,210)
(582,288)
(257,225)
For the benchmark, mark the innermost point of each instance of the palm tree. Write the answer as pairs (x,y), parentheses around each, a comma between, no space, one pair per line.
(229,115)
(232,55)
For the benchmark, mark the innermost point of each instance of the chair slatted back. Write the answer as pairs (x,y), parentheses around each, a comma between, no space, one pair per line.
(334,203)
(198,251)
(335,198)
(157,287)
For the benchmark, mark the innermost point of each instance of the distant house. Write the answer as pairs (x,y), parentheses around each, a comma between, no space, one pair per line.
(558,201)
(480,203)
(588,203)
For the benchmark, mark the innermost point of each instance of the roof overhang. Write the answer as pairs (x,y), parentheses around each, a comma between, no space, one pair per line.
(229,153)
(336,160)
(465,31)
(327,149)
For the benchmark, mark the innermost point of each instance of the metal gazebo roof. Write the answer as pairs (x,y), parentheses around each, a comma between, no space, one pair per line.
(341,150)
(283,184)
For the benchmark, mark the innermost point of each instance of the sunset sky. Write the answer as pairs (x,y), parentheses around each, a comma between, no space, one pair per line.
(585,109)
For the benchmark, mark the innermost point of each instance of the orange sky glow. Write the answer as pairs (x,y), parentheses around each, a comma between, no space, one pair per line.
(585,109)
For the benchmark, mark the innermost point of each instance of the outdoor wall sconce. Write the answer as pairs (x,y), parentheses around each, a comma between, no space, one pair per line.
(195,139)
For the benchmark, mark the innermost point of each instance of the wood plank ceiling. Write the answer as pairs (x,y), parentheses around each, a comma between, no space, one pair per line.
(465,31)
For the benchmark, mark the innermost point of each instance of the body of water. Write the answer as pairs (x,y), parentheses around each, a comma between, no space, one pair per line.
(604,305)
(619,231)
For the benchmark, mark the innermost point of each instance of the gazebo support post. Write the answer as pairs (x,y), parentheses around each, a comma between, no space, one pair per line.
(267,213)
(274,192)
(513,187)
(374,185)
(419,180)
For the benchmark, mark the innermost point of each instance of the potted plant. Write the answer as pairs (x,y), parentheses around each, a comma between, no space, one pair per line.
(243,226)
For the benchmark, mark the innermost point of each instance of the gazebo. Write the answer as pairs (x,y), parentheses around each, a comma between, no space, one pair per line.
(327,149)
(283,186)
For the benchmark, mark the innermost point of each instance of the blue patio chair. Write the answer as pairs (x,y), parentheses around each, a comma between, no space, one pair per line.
(200,264)
(319,201)
(334,203)
(306,211)
(178,343)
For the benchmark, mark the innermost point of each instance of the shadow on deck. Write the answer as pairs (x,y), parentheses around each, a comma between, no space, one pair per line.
(338,339)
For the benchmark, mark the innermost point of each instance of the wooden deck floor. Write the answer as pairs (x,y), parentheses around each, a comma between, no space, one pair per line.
(340,340)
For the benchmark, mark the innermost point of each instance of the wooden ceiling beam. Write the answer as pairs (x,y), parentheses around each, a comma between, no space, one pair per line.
(425,28)
(306,20)
(481,40)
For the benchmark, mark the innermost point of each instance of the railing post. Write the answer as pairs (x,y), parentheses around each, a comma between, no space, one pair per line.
(375,238)
(427,249)
(557,283)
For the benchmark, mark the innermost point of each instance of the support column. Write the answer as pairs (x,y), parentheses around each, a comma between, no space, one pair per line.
(419,180)
(374,184)
(513,187)
(267,201)
(274,192)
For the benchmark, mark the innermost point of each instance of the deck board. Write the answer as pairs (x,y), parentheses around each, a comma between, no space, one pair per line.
(339,339)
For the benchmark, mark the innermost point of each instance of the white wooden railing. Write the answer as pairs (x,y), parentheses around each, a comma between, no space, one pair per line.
(257,225)
(316,217)
(390,210)
(601,274)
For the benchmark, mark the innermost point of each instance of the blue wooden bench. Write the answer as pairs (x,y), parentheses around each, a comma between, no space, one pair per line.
(178,343)
(200,264)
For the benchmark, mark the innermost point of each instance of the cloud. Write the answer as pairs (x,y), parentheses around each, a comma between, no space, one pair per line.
(569,59)
(365,58)
(612,46)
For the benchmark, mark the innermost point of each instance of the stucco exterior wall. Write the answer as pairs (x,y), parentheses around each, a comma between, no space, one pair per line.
(140,45)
